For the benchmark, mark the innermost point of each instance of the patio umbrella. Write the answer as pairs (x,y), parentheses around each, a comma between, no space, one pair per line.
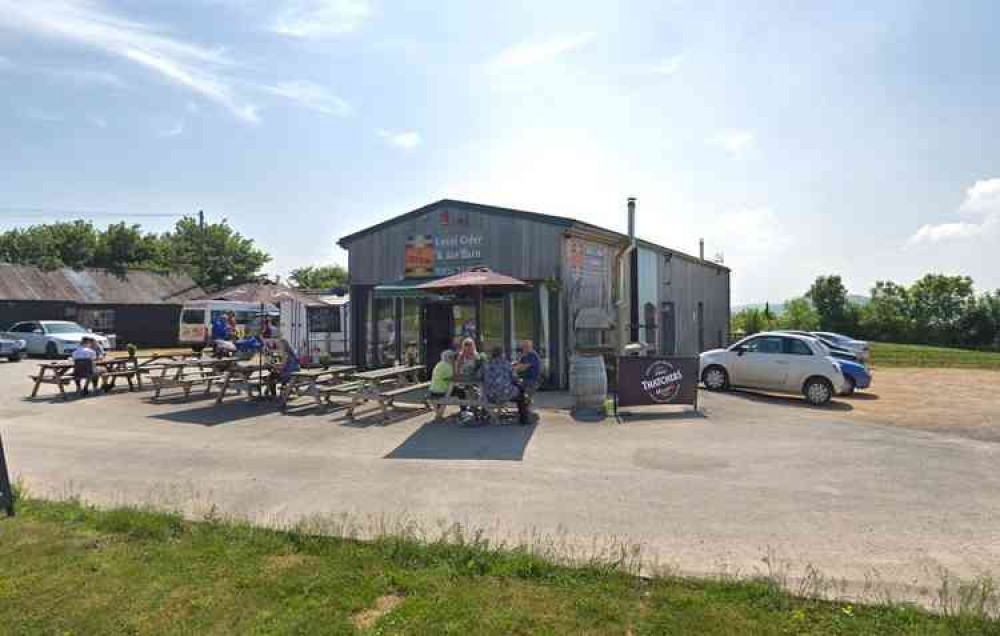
(476,278)
(475,281)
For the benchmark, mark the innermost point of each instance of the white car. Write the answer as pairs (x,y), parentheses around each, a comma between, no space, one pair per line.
(859,348)
(51,338)
(781,362)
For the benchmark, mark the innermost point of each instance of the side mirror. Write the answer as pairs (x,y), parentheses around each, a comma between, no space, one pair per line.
(740,350)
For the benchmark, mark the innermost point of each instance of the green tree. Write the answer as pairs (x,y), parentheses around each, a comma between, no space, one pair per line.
(75,242)
(888,316)
(122,246)
(319,277)
(799,315)
(980,323)
(829,297)
(216,257)
(938,303)
(30,246)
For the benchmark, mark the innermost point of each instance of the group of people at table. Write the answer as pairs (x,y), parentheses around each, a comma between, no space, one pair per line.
(501,380)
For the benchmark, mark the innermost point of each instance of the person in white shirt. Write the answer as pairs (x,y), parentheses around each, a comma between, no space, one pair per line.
(84,369)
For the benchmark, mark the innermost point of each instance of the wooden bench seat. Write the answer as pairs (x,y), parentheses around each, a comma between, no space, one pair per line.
(405,389)
(186,384)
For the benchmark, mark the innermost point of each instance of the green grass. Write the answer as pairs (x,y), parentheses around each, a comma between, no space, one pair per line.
(66,568)
(885,354)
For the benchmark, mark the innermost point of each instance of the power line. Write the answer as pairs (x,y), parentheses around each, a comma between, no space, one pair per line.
(28,212)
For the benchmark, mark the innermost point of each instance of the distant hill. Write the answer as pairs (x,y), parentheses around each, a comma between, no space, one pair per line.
(779,308)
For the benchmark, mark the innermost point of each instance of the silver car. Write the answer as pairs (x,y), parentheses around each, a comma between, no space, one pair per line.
(51,338)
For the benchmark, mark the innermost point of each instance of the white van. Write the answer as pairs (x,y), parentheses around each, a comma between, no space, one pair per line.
(195,328)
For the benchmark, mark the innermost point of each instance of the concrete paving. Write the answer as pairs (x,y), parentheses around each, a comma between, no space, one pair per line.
(702,493)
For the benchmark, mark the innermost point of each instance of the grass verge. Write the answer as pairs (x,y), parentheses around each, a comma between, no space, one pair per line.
(885,354)
(70,568)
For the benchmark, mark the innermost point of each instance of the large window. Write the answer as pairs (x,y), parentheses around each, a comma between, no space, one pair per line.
(523,327)
(463,323)
(324,319)
(385,332)
(193,317)
(410,331)
(492,324)
(97,320)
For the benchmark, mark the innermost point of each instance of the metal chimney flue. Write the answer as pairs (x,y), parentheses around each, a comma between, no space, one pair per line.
(631,220)
(701,249)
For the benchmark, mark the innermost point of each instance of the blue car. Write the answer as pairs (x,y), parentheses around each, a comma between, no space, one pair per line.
(856,374)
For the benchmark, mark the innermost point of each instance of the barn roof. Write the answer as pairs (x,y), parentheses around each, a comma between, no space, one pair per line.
(95,286)
(262,292)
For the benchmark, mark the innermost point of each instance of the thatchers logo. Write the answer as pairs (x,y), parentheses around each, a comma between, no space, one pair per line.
(662,381)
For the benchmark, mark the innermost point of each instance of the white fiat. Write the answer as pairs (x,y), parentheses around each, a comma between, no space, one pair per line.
(781,362)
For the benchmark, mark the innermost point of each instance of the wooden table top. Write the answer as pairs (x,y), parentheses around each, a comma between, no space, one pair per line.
(389,372)
(318,373)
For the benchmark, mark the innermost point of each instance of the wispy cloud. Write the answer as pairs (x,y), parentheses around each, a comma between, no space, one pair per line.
(172,131)
(85,77)
(407,140)
(312,96)
(982,200)
(735,142)
(43,116)
(90,24)
(5,64)
(98,121)
(667,66)
(321,18)
(538,52)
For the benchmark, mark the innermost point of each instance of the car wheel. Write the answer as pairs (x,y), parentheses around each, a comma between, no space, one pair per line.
(51,351)
(16,357)
(851,386)
(715,378)
(818,391)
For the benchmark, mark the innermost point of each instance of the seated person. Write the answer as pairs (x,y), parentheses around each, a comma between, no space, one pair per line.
(469,362)
(529,367)
(84,369)
(289,364)
(501,386)
(441,377)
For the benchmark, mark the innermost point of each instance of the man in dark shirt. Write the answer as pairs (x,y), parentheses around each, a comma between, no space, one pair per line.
(529,366)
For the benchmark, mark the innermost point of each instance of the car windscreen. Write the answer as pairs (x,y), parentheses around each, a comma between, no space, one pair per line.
(64,327)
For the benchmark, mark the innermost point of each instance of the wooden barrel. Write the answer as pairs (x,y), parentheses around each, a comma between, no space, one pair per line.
(588,382)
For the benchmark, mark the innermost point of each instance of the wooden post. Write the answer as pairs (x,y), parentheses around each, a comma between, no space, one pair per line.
(6,492)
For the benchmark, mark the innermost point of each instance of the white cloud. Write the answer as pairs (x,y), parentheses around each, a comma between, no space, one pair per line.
(43,116)
(735,142)
(759,229)
(311,96)
(192,107)
(89,23)
(172,131)
(406,140)
(531,53)
(982,200)
(321,18)
(667,66)
(98,121)
(5,64)
(946,232)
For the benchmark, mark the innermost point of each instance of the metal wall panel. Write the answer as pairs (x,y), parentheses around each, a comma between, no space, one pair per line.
(522,248)
(686,283)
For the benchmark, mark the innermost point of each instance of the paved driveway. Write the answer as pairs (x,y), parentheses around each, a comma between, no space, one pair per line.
(701,493)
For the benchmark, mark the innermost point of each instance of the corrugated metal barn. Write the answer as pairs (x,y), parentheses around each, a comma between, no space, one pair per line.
(140,307)
(590,289)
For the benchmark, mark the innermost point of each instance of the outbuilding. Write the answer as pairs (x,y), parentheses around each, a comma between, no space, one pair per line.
(589,289)
(140,307)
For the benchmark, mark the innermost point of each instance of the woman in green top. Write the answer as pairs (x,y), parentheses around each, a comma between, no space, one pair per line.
(441,377)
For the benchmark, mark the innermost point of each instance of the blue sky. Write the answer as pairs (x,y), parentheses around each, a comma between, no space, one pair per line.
(797,140)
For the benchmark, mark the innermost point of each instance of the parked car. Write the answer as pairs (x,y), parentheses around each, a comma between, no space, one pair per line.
(835,350)
(51,338)
(857,375)
(782,362)
(859,347)
(13,350)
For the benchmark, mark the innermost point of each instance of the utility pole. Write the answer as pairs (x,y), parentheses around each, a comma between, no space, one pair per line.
(201,243)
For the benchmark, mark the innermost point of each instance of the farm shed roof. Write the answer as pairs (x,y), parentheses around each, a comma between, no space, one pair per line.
(95,286)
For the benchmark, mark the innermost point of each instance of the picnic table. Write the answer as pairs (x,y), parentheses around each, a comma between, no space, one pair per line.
(318,383)
(384,386)
(60,373)
(248,376)
(188,373)
(475,399)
